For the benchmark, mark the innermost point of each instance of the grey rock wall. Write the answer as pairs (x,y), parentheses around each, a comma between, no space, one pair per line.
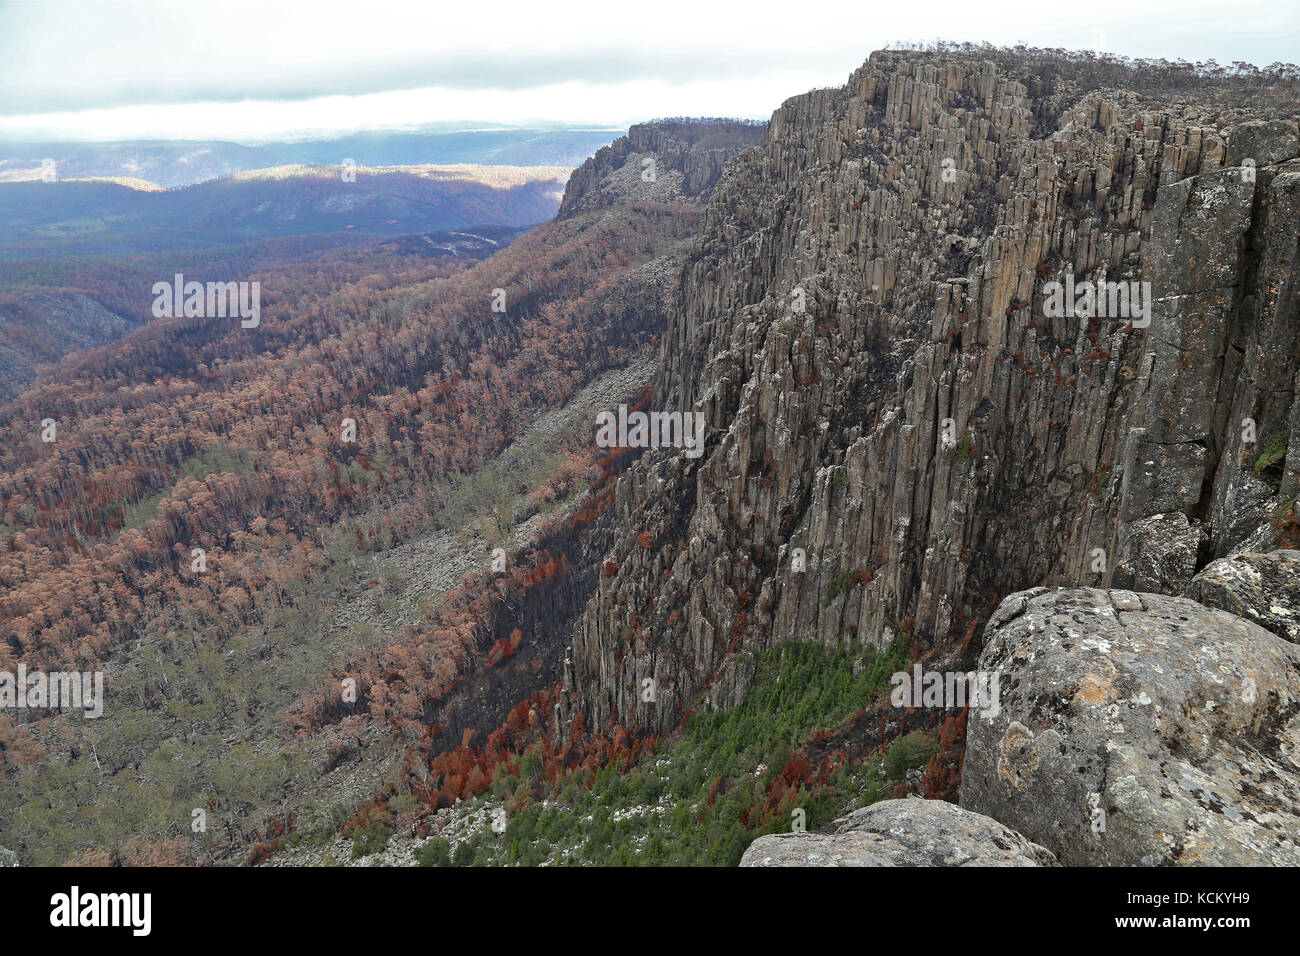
(861,321)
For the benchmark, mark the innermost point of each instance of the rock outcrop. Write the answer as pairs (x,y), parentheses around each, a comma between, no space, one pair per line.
(1138,729)
(1215,382)
(1264,588)
(664,161)
(41,327)
(902,833)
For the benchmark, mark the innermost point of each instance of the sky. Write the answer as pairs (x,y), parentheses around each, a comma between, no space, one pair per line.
(257,71)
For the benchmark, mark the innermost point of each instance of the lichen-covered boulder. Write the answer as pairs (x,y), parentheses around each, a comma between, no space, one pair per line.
(1138,729)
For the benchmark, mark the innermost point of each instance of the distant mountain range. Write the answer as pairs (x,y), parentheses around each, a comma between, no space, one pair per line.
(183,163)
(78,258)
(102,217)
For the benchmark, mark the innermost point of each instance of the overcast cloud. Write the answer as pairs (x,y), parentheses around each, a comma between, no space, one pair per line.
(249,71)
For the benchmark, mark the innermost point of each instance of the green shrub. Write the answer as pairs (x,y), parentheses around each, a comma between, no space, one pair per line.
(908,753)
(1103,479)
(372,839)
(1284,524)
(465,853)
(843,581)
(839,585)
(1272,454)
(436,852)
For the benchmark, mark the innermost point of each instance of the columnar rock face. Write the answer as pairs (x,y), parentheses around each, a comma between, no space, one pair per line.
(892,397)
(1216,375)
(1138,729)
(902,833)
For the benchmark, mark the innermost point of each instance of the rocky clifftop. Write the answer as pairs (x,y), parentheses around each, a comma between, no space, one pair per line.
(889,400)
(664,161)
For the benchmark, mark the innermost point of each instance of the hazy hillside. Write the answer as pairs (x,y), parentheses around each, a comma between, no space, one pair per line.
(78,259)
(185,163)
(52,307)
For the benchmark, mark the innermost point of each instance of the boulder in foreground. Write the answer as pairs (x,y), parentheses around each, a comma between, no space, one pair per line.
(908,832)
(1139,729)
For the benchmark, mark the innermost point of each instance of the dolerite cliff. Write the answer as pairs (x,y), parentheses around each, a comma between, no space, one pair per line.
(861,321)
